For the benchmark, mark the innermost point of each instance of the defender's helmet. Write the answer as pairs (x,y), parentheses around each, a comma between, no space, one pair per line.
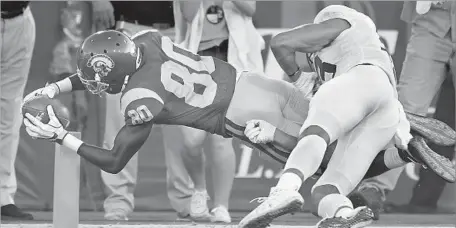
(105,61)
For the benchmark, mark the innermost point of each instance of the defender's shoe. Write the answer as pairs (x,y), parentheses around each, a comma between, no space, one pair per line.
(361,217)
(419,152)
(434,130)
(278,203)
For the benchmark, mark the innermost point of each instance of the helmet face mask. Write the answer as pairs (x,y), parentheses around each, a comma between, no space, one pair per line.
(95,86)
(104,61)
(310,60)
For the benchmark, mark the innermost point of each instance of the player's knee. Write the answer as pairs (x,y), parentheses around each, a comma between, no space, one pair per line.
(315,130)
(318,193)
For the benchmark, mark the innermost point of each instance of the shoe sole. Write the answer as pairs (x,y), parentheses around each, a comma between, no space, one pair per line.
(367,212)
(265,220)
(434,130)
(439,164)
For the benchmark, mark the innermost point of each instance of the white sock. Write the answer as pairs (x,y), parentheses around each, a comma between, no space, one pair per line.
(334,205)
(306,157)
(392,158)
(289,181)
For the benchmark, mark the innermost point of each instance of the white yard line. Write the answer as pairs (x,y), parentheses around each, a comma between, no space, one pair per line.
(190,225)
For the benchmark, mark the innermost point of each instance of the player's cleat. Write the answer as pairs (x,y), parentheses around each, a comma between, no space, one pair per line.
(278,203)
(434,130)
(220,214)
(198,206)
(361,217)
(420,152)
(370,197)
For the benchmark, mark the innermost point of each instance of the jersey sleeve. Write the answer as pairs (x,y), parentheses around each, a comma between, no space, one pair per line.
(140,105)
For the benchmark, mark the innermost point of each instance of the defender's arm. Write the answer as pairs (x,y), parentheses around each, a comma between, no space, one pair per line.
(307,38)
(128,141)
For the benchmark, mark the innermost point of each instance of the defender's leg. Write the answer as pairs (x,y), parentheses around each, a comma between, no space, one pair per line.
(353,156)
(336,108)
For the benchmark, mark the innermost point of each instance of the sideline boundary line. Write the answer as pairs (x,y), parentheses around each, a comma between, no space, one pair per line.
(193,226)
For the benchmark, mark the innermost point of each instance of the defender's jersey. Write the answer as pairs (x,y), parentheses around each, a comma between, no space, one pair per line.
(176,87)
(359,44)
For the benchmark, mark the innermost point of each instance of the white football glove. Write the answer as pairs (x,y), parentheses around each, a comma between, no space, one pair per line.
(306,83)
(50,90)
(402,136)
(52,131)
(259,131)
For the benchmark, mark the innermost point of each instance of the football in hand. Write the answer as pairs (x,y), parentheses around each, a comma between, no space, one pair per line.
(38,108)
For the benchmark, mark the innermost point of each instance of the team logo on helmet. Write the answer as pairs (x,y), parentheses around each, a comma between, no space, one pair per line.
(101,64)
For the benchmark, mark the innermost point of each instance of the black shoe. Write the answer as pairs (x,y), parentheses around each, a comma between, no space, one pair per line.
(369,197)
(12,212)
(419,152)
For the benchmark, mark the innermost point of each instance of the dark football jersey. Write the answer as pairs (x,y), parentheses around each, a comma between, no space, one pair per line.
(177,87)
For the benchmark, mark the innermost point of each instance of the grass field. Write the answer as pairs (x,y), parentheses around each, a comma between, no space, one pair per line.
(168,220)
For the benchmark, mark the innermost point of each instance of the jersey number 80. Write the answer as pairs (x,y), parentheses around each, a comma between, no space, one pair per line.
(202,66)
(140,115)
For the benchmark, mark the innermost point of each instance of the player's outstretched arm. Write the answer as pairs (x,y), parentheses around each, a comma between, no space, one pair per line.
(128,141)
(68,84)
(307,38)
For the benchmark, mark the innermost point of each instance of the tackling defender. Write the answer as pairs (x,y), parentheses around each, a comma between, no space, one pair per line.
(164,84)
(356,105)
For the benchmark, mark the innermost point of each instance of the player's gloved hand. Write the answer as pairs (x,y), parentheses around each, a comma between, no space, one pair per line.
(402,136)
(306,83)
(52,131)
(50,90)
(259,131)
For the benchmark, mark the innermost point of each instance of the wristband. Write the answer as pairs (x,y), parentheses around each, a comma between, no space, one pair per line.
(64,85)
(56,87)
(72,142)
